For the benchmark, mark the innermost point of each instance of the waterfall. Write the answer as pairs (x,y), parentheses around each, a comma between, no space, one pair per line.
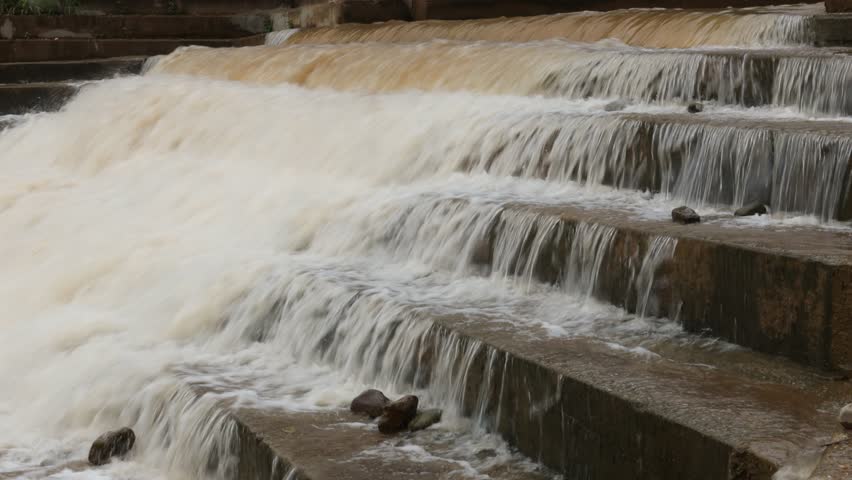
(279,228)
(649,28)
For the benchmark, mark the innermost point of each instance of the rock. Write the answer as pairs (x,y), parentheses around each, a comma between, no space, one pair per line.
(425,419)
(111,444)
(615,106)
(751,209)
(685,215)
(695,107)
(486,454)
(370,402)
(845,416)
(398,415)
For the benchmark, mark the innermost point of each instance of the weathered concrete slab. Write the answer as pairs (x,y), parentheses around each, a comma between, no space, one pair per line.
(785,291)
(42,72)
(24,98)
(132,26)
(41,50)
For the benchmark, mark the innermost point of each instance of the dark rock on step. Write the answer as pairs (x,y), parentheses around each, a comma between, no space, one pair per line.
(111,444)
(695,107)
(370,402)
(398,415)
(751,209)
(685,215)
(486,454)
(425,419)
(615,106)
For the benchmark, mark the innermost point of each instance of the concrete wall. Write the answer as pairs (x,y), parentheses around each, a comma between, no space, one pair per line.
(465,9)
(838,5)
(369,10)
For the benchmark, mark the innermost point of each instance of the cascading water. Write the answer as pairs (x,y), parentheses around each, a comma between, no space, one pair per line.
(805,79)
(649,28)
(286,248)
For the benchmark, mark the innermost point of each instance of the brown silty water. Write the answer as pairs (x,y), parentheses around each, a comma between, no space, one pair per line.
(649,28)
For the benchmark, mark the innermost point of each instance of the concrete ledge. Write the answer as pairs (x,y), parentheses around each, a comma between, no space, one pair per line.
(41,72)
(80,49)
(17,99)
(131,26)
(781,291)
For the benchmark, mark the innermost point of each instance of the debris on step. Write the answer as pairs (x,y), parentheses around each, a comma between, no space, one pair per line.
(425,419)
(695,107)
(615,106)
(370,402)
(685,215)
(111,444)
(751,209)
(398,415)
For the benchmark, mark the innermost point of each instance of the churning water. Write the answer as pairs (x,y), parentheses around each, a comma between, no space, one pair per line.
(288,247)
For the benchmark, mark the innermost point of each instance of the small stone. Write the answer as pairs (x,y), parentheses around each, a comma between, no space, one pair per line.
(615,106)
(751,209)
(370,402)
(845,416)
(111,444)
(685,215)
(398,415)
(695,107)
(486,453)
(425,419)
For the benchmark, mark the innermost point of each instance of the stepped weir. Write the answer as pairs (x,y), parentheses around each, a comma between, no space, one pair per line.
(221,247)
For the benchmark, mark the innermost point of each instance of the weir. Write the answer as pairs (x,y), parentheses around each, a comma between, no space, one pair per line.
(810,80)
(223,247)
(650,28)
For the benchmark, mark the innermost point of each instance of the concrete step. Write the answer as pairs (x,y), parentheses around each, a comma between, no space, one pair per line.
(44,72)
(791,165)
(578,405)
(132,26)
(775,288)
(82,48)
(35,97)
(279,444)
